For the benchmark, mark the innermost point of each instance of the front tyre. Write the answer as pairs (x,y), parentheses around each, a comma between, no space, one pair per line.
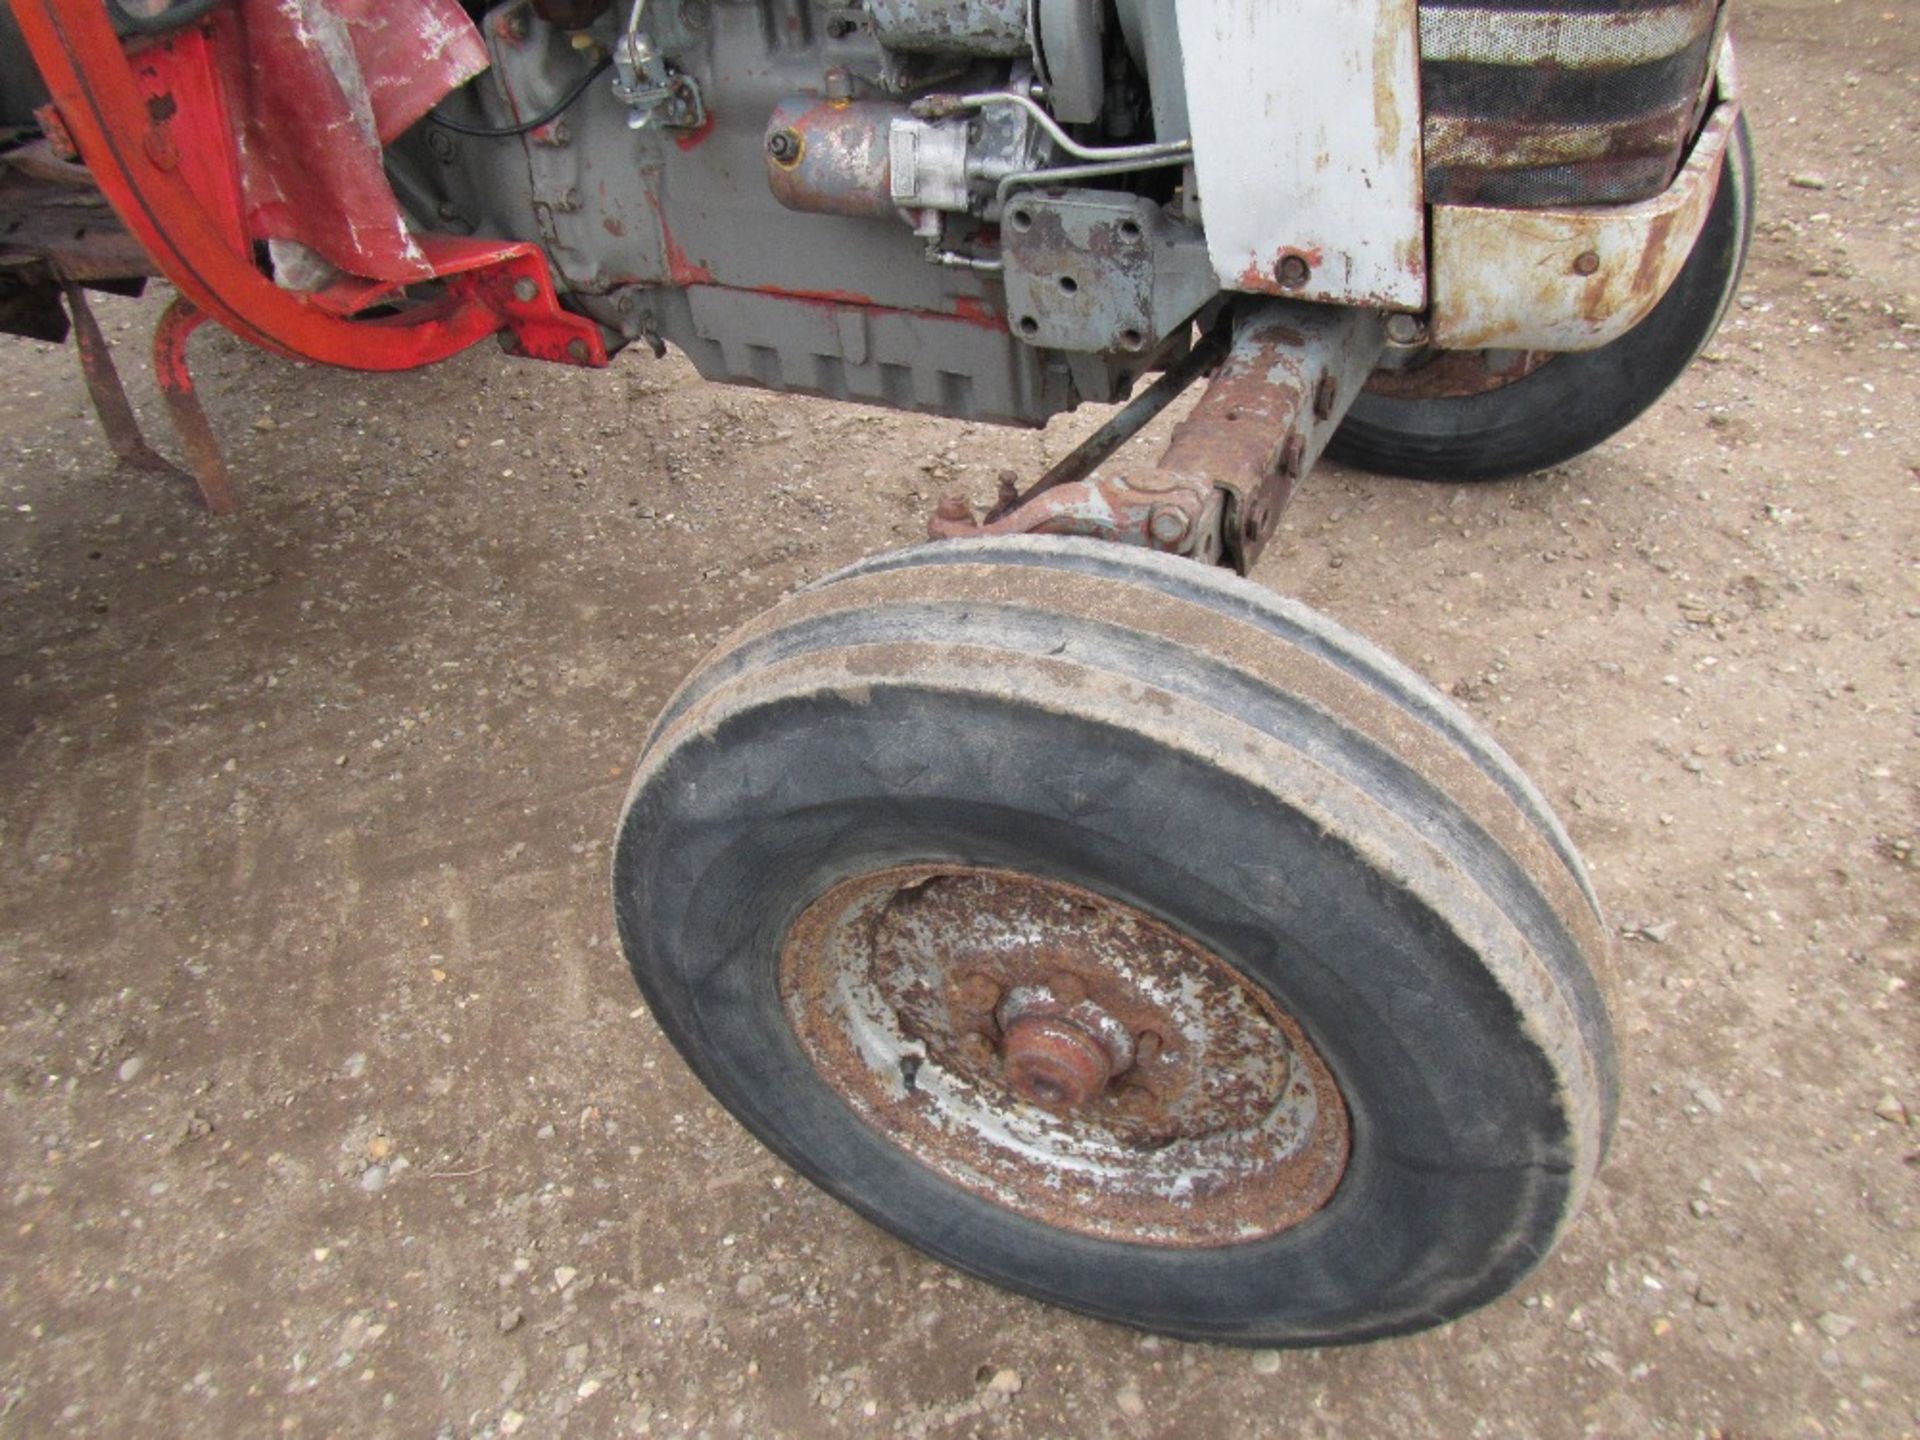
(1119,932)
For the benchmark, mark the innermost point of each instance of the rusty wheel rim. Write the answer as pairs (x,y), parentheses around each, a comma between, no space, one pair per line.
(1064,1056)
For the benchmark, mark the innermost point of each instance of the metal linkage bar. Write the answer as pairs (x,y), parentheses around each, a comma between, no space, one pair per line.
(1294,370)
(1286,381)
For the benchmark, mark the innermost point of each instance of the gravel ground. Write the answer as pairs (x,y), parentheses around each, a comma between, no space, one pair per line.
(329,1107)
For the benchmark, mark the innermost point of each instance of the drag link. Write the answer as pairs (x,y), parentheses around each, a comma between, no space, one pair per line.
(1285,373)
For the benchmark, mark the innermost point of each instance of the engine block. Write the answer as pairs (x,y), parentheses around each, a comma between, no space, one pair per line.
(977,208)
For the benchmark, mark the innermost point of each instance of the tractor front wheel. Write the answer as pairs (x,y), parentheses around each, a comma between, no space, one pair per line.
(1119,932)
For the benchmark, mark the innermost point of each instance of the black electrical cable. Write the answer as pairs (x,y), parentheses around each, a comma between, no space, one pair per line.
(546,117)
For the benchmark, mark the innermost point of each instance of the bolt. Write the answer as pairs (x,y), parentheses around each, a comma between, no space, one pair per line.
(1256,520)
(839,85)
(784,147)
(1054,1063)
(1167,524)
(526,290)
(578,351)
(1147,1046)
(1405,329)
(1291,272)
(1324,394)
(1006,490)
(1293,454)
(1586,262)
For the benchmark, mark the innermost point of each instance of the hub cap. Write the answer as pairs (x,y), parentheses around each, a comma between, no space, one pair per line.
(1064,1055)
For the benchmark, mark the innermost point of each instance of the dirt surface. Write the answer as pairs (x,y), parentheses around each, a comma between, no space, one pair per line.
(328,1106)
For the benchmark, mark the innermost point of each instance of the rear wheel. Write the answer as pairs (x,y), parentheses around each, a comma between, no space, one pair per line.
(1115,930)
(1492,415)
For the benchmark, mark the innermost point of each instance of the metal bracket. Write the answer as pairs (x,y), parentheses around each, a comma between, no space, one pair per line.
(1094,270)
(207,467)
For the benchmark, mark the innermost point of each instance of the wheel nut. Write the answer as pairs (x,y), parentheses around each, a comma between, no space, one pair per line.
(1054,1064)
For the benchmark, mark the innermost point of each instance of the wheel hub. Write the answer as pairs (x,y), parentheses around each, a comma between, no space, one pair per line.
(1054,1062)
(1064,1055)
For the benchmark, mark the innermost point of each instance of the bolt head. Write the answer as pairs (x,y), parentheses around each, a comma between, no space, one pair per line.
(1292,272)
(978,991)
(1324,395)
(1586,263)
(1405,329)
(1293,454)
(1167,524)
(784,146)
(526,290)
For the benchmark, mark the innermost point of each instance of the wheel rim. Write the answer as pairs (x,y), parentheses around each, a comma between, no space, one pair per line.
(1064,1056)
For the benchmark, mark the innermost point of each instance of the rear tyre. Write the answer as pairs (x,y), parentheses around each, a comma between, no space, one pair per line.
(1130,937)
(1572,402)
